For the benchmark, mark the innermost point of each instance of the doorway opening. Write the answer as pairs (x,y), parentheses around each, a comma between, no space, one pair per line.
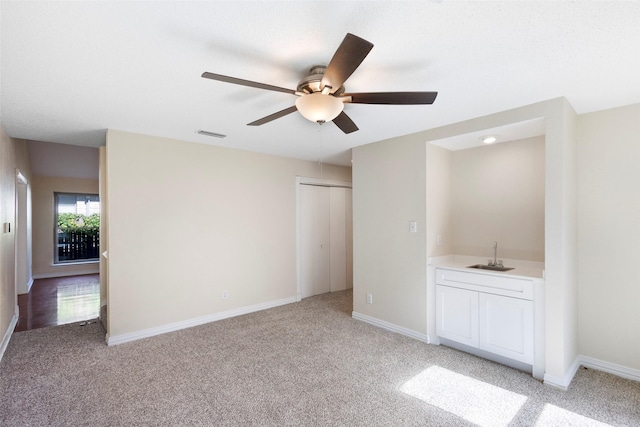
(59,301)
(324,236)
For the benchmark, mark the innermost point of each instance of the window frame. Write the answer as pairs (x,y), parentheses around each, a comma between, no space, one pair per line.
(56,245)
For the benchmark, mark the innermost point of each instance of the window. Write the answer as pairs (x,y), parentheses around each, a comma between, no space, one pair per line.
(77,227)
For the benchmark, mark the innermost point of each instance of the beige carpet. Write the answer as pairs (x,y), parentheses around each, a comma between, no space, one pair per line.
(307,364)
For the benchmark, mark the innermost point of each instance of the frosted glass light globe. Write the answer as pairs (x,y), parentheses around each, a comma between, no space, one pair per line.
(318,107)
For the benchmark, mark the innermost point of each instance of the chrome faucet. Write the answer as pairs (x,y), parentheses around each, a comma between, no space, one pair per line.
(495,262)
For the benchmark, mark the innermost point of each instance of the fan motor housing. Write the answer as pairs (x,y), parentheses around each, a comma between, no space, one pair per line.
(312,82)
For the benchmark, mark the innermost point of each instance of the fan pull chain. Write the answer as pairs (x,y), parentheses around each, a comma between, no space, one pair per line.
(320,154)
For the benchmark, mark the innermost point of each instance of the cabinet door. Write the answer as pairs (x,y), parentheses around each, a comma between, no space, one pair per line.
(457,315)
(506,326)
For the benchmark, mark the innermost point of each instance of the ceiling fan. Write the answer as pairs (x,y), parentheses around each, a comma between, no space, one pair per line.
(321,94)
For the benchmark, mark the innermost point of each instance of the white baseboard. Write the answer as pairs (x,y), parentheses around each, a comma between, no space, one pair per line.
(8,333)
(29,285)
(65,274)
(591,363)
(146,333)
(611,368)
(391,327)
(563,382)
(555,381)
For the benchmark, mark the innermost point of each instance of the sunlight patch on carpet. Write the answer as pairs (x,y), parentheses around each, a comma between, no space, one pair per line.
(475,401)
(552,415)
(77,304)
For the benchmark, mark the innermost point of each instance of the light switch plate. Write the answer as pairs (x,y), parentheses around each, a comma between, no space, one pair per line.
(413,227)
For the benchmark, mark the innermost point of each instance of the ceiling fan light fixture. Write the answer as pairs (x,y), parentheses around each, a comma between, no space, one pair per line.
(318,107)
(321,93)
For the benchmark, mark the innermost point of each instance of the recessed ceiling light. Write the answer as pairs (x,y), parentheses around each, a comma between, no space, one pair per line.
(213,134)
(489,139)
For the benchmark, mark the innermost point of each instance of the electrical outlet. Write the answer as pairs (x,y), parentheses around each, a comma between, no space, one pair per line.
(225,294)
(369,298)
(439,239)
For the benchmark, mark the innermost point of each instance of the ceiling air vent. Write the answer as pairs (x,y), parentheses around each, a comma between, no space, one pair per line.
(213,134)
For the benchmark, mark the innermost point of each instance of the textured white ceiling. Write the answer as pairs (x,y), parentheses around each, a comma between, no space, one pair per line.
(70,70)
(511,132)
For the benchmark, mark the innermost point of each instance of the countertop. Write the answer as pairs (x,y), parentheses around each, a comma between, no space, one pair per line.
(521,268)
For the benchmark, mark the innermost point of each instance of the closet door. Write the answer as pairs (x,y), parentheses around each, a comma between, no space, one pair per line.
(338,239)
(314,240)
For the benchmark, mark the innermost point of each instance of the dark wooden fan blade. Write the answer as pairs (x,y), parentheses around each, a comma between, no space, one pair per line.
(347,58)
(273,116)
(243,82)
(345,123)
(392,98)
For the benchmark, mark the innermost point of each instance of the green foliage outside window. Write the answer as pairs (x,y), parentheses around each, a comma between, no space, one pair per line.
(70,223)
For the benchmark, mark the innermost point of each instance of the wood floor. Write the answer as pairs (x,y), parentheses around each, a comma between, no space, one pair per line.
(58,301)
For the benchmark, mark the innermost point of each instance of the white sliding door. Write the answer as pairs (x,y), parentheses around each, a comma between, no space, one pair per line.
(338,238)
(325,239)
(314,240)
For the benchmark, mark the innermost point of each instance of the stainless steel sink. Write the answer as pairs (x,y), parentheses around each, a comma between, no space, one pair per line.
(490,267)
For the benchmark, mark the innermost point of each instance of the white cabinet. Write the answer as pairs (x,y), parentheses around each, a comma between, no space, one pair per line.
(457,315)
(490,312)
(506,326)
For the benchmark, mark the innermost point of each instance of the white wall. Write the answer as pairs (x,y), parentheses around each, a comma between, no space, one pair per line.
(379,245)
(24,278)
(497,194)
(561,246)
(438,220)
(187,221)
(389,191)
(14,155)
(439,192)
(609,235)
(8,301)
(104,229)
(63,160)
